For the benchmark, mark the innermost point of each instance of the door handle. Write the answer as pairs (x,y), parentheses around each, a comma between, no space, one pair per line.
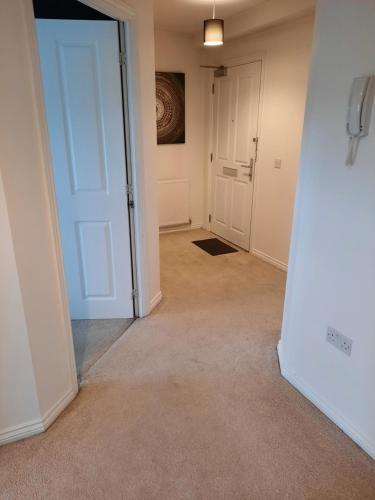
(251,168)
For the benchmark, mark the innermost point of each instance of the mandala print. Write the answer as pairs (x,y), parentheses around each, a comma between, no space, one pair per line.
(170,108)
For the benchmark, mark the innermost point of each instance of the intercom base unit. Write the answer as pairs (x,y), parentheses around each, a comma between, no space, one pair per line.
(359,113)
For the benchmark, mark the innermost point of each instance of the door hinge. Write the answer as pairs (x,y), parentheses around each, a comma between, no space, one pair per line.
(122,57)
(213,89)
(134,293)
(212,157)
(130,192)
(209,218)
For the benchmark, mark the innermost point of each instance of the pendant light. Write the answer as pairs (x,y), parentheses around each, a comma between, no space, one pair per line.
(213,30)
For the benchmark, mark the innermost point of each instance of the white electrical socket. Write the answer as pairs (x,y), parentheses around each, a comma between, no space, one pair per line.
(277,163)
(340,341)
(332,335)
(346,345)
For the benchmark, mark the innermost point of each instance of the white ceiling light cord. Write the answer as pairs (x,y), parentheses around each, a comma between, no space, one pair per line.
(214,10)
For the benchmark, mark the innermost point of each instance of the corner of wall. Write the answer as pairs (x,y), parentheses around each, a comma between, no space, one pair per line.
(155,301)
(326,407)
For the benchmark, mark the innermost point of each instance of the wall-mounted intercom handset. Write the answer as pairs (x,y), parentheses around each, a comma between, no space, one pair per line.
(359,113)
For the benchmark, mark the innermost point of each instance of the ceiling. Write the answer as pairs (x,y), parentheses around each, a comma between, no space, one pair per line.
(186,16)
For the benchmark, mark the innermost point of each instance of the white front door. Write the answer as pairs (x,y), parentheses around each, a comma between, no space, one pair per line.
(236,110)
(83,99)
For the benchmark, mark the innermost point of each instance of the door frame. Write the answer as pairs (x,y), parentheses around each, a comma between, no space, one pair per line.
(230,62)
(122,12)
(122,28)
(126,16)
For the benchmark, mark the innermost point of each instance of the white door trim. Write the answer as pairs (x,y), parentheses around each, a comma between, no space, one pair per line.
(247,59)
(259,56)
(209,152)
(112,8)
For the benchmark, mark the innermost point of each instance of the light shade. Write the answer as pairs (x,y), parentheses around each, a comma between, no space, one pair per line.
(213,32)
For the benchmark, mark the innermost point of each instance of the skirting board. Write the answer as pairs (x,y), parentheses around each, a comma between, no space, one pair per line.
(21,431)
(36,426)
(156,300)
(270,260)
(51,415)
(280,356)
(188,227)
(337,418)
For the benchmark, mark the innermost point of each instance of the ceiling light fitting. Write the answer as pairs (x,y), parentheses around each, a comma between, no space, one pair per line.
(213,30)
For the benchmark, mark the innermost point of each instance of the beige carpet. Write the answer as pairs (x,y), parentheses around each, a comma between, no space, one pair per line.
(189,404)
(92,338)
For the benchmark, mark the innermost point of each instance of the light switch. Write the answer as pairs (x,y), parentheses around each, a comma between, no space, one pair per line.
(277,163)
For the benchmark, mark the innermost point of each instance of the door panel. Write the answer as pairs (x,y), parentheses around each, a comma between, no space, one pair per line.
(220,200)
(236,110)
(243,129)
(239,195)
(83,97)
(95,240)
(78,68)
(224,107)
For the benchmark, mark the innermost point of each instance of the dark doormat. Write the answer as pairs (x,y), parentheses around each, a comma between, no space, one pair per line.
(213,246)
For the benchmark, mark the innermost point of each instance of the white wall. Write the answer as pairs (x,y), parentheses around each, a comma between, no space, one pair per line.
(266,14)
(332,272)
(18,398)
(45,333)
(286,55)
(181,167)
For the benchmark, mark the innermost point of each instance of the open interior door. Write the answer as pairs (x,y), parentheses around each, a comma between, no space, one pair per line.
(83,98)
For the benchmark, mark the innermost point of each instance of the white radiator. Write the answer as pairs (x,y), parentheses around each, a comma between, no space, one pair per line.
(173,202)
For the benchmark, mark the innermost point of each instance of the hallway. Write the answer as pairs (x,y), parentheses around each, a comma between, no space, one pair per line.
(190,404)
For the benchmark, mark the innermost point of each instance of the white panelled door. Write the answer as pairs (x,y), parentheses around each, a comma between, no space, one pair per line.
(236,110)
(83,97)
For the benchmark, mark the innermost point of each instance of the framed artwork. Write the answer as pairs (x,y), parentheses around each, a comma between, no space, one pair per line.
(170,108)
